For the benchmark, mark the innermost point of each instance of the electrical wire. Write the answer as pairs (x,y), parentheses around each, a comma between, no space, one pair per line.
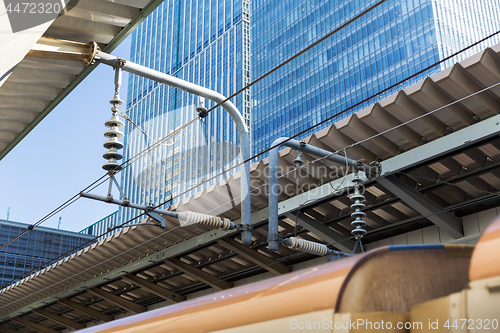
(91,241)
(52,213)
(94,266)
(125,116)
(338,151)
(76,197)
(353,144)
(260,267)
(438,181)
(311,127)
(301,254)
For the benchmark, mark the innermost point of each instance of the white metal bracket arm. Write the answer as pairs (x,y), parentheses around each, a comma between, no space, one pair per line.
(128,66)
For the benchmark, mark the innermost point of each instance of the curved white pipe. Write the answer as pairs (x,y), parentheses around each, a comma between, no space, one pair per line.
(245,227)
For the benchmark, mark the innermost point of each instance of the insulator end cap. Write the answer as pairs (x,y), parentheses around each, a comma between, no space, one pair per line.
(114,133)
(355,197)
(112,154)
(111,166)
(114,122)
(113,144)
(116,101)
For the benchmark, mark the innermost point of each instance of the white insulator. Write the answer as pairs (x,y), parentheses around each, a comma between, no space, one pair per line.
(114,122)
(306,246)
(358,213)
(113,134)
(209,221)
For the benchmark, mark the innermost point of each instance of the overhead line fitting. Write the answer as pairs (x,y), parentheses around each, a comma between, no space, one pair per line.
(372,171)
(112,167)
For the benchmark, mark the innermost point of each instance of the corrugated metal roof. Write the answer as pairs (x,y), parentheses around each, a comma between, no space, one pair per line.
(465,181)
(41,80)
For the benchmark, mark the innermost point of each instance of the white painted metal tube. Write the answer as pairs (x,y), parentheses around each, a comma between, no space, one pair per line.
(246,233)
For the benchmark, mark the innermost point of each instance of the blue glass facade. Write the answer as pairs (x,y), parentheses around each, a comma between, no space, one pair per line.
(33,249)
(202,41)
(391,42)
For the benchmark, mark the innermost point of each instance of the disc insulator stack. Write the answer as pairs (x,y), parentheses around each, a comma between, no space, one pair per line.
(113,144)
(358,207)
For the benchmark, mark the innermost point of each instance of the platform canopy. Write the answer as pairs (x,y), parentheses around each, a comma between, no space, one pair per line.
(41,65)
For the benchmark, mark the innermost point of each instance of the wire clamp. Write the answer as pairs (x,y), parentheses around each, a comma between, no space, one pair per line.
(276,237)
(245,227)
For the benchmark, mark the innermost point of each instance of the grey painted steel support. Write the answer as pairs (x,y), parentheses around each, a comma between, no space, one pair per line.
(154,288)
(246,231)
(86,310)
(416,200)
(324,232)
(60,319)
(273,235)
(150,212)
(118,301)
(36,327)
(209,279)
(7,330)
(254,256)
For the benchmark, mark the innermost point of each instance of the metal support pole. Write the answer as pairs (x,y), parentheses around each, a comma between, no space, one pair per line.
(273,235)
(246,226)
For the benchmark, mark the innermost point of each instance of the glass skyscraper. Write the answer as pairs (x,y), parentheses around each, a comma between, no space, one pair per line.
(204,42)
(222,45)
(388,44)
(33,249)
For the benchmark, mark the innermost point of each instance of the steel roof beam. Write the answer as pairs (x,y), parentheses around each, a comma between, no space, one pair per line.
(86,310)
(34,326)
(7,330)
(154,288)
(255,257)
(417,201)
(324,232)
(117,300)
(199,274)
(59,319)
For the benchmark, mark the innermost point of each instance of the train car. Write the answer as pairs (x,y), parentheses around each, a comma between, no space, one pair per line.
(421,288)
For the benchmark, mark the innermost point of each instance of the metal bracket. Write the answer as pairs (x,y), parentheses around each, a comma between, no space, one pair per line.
(448,130)
(245,227)
(121,63)
(156,217)
(275,237)
(375,170)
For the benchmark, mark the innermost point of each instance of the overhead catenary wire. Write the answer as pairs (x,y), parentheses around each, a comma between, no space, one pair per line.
(318,124)
(35,269)
(365,140)
(260,267)
(339,113)
(90,187)
(330,118)
(187,124)
(94,266)
(322,158)
(52,213)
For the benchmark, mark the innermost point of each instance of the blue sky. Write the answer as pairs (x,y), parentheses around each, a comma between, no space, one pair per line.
(62,155)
